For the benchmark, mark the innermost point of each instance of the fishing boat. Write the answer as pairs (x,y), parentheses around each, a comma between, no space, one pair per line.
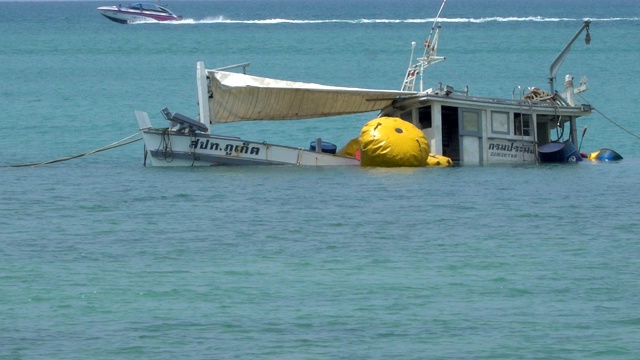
(138,12)
(532,126)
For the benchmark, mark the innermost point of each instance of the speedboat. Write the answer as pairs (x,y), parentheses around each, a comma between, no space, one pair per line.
(414,126)
(138,12)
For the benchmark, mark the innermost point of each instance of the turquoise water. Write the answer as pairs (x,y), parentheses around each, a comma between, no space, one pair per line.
(103,258)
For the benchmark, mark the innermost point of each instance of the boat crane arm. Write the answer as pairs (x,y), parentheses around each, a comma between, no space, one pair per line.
(555,66)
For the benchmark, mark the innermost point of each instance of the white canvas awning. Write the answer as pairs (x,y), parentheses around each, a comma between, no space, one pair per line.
(238,97)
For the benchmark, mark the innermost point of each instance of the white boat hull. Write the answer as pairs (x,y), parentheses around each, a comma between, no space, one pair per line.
(125,15)
(168,148)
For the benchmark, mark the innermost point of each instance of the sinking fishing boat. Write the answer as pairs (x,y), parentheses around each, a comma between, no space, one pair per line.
(534,126)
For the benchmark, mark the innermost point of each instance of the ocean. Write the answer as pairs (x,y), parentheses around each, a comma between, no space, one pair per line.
(102,257)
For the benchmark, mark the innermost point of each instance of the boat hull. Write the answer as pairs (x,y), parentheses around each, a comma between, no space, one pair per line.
(168,148)
(126,16)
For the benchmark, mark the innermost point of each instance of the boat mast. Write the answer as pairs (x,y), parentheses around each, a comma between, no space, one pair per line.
(203,95)
(555,66)
(429,56)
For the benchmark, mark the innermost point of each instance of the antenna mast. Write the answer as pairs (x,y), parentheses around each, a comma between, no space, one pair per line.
(428,58)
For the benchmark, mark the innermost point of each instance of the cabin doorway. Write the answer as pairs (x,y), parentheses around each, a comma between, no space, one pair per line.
(450,133)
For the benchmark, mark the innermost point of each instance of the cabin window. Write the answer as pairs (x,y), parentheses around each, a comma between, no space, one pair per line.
(500,123)
(522,124)
(424,116)
(470,122)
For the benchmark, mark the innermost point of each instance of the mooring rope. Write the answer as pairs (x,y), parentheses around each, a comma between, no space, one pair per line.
(611,121)
(119,143)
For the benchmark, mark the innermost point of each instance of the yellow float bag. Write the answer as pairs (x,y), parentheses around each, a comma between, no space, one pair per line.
(438,160)
(350,149)
(392,142)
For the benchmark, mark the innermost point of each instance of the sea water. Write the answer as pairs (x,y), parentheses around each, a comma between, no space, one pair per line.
(104,258)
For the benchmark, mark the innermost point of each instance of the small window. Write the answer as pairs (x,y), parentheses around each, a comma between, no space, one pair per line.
(424,116)
(522,124)
(500,122)
(470,121)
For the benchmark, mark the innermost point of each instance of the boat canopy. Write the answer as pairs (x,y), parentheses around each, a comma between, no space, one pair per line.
(148,6)
(240,97)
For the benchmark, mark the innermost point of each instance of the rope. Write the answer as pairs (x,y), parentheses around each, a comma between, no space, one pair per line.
(104,148)
(191,137)
(537,94)
(611,121)
(165,145)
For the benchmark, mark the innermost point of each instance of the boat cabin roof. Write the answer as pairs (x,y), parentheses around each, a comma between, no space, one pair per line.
(148,6)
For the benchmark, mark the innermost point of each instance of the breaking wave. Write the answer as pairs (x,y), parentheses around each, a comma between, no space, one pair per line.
(223,20)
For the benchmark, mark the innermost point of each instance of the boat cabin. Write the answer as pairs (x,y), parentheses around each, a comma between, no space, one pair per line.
(480,130)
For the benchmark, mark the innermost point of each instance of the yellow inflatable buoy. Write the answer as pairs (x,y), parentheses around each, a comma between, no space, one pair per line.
(439,160)
(351,149)
(392,142)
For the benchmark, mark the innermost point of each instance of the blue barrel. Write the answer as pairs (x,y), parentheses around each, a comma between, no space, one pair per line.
(552,152)
(558,152)
(570,152)
(327,147)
